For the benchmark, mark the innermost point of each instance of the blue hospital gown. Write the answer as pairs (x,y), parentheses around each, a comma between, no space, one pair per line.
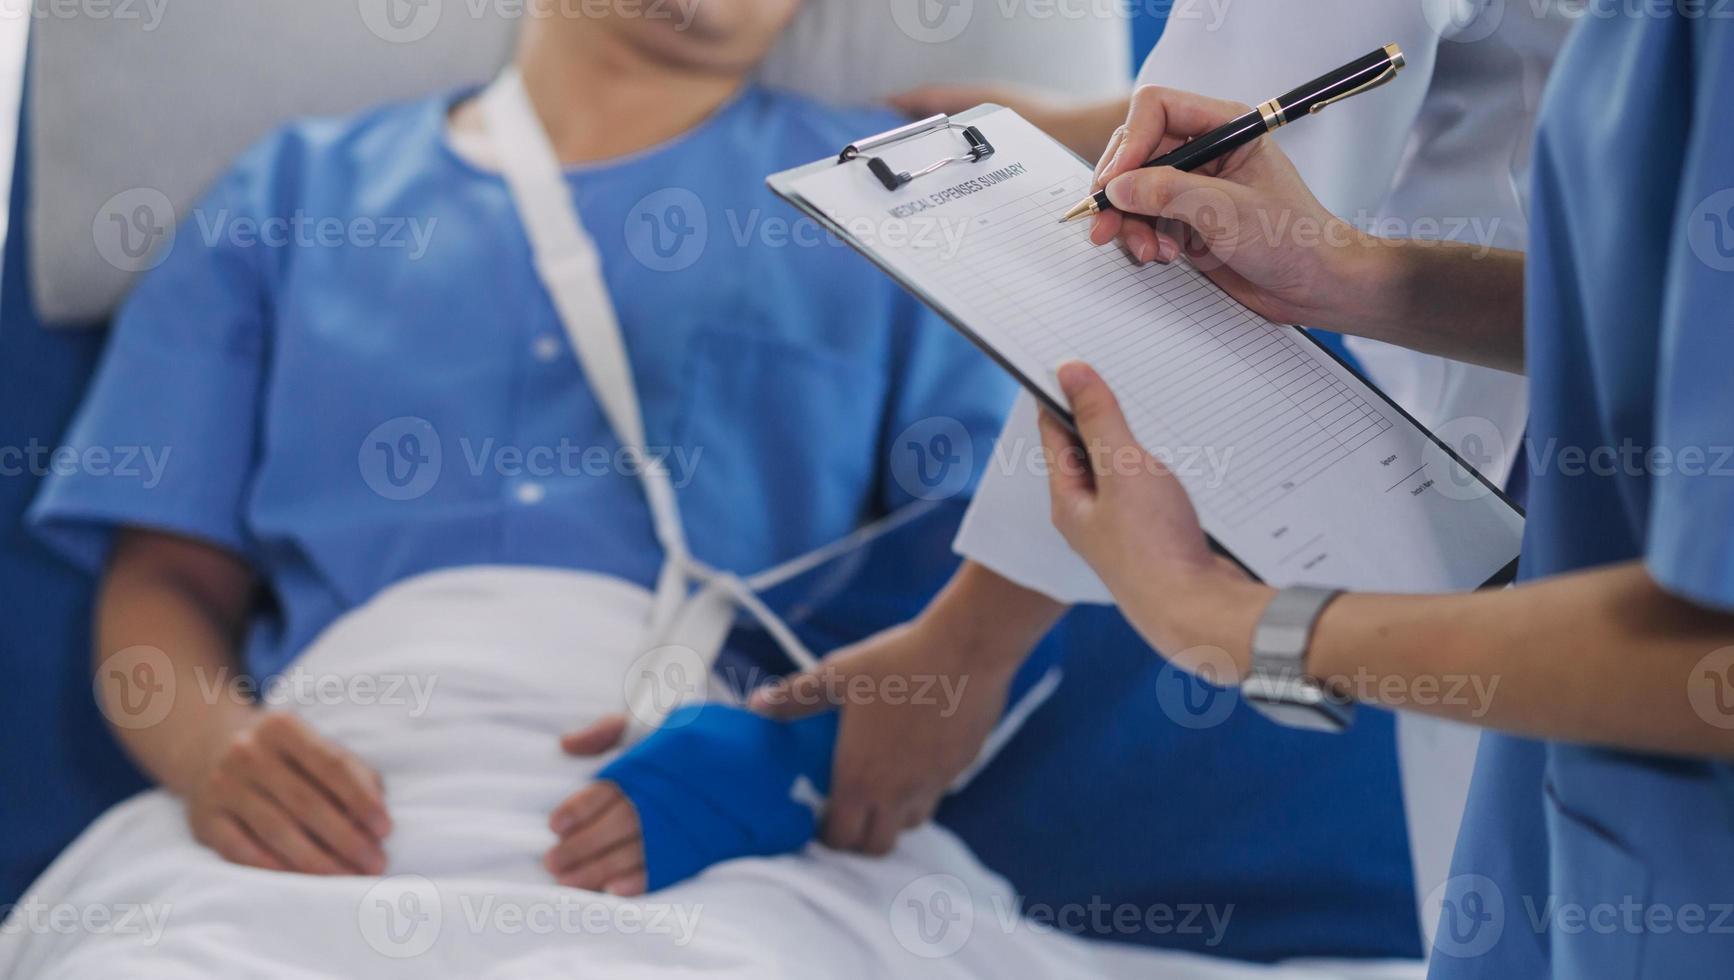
(353,375)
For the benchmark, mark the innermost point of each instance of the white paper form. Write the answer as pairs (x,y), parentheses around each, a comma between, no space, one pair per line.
(1297,466)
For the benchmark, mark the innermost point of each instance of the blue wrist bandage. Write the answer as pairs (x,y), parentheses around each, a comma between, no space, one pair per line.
(717,782)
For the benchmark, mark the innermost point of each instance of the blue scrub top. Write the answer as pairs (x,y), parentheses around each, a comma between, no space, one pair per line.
(347,372)
(1579,862)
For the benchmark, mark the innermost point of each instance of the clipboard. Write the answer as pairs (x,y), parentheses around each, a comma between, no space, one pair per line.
(974,145)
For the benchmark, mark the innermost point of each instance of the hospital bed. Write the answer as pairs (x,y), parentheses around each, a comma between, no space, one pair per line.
(1130,787)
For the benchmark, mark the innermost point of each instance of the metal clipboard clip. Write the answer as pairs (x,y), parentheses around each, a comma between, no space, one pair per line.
(978,149)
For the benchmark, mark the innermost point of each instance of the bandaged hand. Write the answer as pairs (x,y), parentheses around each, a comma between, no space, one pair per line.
(715,782)
(1128,516)
(601,843)
(277,795)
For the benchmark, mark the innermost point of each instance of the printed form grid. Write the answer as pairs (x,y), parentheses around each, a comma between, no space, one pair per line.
(1171,342)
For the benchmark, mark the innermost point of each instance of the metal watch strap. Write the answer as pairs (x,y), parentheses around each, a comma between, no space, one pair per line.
(1279,643)
(1279,686)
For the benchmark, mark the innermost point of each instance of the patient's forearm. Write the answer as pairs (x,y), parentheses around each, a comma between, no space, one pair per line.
(177,607)
(990,620)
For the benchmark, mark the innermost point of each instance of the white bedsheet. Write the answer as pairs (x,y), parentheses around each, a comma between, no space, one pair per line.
(455,687)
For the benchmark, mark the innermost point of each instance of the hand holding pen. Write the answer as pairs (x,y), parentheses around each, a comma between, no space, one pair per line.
(1248,220)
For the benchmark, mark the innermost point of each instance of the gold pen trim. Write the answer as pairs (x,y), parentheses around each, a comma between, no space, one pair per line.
(1274,117)
(1397,63)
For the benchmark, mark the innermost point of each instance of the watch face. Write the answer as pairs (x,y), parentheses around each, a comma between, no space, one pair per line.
(1297,703)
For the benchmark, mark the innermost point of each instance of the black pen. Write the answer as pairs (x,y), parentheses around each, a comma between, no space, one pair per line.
(1352,79)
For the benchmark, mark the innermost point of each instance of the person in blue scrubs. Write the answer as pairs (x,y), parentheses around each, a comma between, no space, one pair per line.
(350,374)
(1599,839)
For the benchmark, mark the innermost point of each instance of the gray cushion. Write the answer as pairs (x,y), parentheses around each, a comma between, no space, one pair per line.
(133,114)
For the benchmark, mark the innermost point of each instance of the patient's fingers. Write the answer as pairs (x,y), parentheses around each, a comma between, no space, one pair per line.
(277,831)
(354,786)
(615,863)
(615,826)
(223,834)
(597,739)
(628,885)
(316,812)
(583,806)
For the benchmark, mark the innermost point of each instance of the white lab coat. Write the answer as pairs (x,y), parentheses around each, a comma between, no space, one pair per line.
(1443,152)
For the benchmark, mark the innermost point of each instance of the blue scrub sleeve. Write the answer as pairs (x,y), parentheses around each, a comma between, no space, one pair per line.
(1691,521)
(945,411)
(165,438)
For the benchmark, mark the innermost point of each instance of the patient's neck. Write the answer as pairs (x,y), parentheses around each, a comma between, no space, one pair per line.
(601,97)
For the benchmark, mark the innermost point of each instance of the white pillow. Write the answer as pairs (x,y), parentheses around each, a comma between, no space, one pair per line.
(133,113)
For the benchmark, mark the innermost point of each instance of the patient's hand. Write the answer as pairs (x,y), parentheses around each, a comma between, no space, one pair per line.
(601,846)
(276,795)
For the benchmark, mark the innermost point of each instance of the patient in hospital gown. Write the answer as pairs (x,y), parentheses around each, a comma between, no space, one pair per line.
(354,376)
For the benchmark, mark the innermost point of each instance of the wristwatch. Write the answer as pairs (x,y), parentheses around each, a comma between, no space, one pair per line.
(1279,686)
